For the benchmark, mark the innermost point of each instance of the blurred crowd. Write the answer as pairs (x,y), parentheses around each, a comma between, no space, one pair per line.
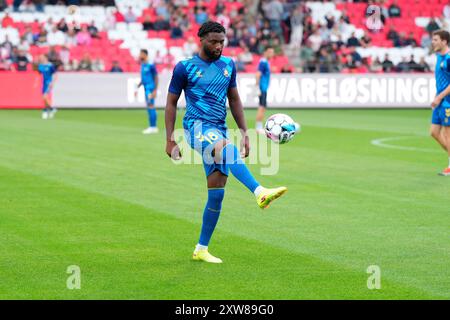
(251,26)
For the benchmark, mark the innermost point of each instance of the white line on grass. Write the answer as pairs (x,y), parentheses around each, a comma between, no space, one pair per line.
(382,144)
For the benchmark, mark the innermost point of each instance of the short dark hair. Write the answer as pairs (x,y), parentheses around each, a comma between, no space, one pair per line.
(210,26)
(144,51)
(443,34)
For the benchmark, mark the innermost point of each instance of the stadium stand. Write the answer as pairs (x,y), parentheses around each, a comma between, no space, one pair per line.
(325,36)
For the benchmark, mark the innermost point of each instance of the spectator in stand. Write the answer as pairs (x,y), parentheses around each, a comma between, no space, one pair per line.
(21,61)
(85,63)
(163,11)
(403,66)
(24,44)
(275,43)
(376,66)
(387,64)
(392,34)
(400,41)
(324,61)
(16,5)
(62,26)
(274,11)
(64,55)
(116,67)
(7,45)
(129,16)
(201,16)
(432,26)
(93,30)
(161,24)
(3,5)
(425,42)
(7,21)
(316,40)
(353,41)
(48,25)
(147,23)
(355,55)
(175,30)
(296,22)
(307,57)
(84,37)
(253,45)
(118,16)
(98,65)
(394,10)
(365,40)
(38,5)
(190,47)
(423,66)
(159,58)
(246,56)
(42,38)
(28,35)
(56,37)
(223,19)
(71,38)
(411,41)
(412,64)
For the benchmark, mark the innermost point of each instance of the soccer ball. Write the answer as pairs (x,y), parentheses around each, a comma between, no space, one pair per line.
(280,128)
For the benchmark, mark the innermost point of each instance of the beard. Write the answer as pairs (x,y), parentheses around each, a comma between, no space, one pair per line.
(211,54)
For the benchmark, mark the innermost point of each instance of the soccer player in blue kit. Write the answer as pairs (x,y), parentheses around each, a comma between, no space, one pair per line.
(208,79)
(47,70)
(262,86)
(149,79)
(440,122)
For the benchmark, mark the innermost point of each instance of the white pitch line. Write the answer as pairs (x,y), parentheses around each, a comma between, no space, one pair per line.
(382,144)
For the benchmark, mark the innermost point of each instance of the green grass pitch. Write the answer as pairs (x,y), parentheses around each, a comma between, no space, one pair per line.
(88,189)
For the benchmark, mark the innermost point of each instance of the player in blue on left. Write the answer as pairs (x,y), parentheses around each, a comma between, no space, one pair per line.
(47,70)
(149,79)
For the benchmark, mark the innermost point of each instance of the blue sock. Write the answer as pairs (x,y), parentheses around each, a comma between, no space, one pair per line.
(233,160)
(211,215)
(152,116)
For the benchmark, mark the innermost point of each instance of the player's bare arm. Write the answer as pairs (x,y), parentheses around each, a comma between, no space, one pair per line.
(437,101)
(237,111)
(156,80)
(172,149)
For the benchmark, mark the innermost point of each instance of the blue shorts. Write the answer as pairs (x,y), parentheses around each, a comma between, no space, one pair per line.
(149,91)
(46,89)
(202,137)
(441,115)
(263,99)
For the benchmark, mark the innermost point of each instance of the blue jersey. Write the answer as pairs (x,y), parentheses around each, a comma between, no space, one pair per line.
(148,74)
(47,70)
(205,86)
(264,68)
(442,74)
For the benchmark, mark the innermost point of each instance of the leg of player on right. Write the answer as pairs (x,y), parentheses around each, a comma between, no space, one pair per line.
(262,85)
(440,122)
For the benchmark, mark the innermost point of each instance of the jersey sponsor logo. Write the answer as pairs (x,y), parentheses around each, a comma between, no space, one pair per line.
(447,113)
